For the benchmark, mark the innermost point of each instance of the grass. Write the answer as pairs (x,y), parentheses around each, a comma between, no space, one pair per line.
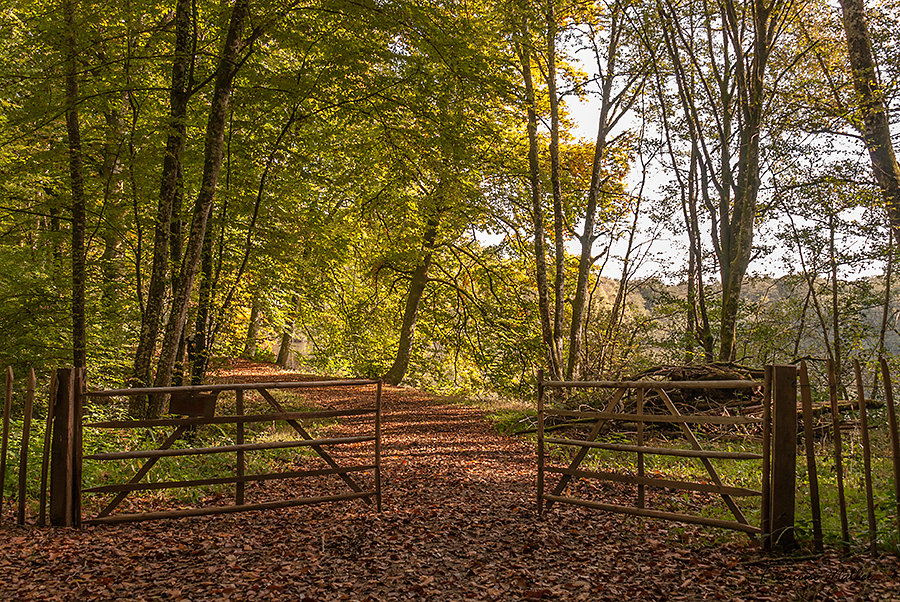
(748,474)
(97,473)
(854,488)
(508,415)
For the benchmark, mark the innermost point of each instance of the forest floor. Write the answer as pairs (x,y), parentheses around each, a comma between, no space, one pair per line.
(458,523)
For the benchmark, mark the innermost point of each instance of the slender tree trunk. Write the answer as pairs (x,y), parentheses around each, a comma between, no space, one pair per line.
(738,83)
(811,285)
(559,251)
(176,227)
(876,126)
(576,332)
(886,307)
(251,227)
(802,327)
(113,213)
(617,314)
(692,329)
(202,336)
(586,260)
(284,346)
(537,210)
(76,173)
(690,191)
(252,328)
(738,245)
(287,334)
(178,372)
(704,331)
(212,165)
(410,314)
(168,189)
(837,357)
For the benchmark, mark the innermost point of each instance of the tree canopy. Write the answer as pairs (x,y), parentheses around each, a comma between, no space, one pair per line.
(399,188)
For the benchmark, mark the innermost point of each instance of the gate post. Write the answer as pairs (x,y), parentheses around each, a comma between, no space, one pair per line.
(65,449)
(540,442)
(784,456)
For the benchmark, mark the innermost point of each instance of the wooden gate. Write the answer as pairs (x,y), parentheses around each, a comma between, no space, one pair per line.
(199,401)
(782,509)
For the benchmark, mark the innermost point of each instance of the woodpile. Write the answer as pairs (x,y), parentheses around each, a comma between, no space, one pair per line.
(705,401)
(712,401)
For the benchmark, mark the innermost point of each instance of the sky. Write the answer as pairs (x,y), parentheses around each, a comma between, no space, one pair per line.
(668,250)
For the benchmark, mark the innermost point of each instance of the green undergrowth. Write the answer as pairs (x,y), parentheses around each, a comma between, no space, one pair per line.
(109,472)
(742,473)
(508,416)
(511,421)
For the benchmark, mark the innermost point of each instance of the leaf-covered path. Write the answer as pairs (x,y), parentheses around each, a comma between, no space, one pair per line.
(458,524)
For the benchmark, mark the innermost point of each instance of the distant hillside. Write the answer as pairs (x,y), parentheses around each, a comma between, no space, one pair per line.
(771,312)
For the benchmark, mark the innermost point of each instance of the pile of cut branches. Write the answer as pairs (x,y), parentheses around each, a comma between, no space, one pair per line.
(700,400)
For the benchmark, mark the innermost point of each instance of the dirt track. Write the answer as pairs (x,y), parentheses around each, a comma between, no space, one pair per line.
(458,524)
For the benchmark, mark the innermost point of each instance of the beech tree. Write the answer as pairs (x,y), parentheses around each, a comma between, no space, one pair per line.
(719,54)
(171,180)
(873,116)
(76,175)
(400,185)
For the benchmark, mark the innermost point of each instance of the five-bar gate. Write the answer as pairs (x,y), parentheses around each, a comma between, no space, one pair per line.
(67,458)
(776,512)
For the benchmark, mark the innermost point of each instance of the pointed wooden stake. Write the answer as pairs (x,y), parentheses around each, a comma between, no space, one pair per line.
(7,406)
(895,437)
(838,456)
(867,458)
(23,452)
(809,442)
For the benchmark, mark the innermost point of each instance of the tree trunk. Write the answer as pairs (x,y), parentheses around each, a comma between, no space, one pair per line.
(176,227)
(76,173)
(202,336)
(252,328)
(704,332)
(537,210)
(251,227)
(586,261)
(738,82)
(835,306)
(692,319)
(876,126)
(168,188)
(287,335)
(559,251)
(802,327)
(113,213)
(416,289)
(886,307)
(737,245)
(212,165)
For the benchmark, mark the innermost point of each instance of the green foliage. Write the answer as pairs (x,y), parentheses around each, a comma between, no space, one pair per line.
(352,128)
(97,473)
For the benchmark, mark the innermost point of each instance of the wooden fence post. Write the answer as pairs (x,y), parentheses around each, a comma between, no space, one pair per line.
(766,501)
(7,405)
(241,461)
(895,436)
(77,444)
(784,455)
(45,452)
(25,446)
(867,458)
(65,450)
(540,442)
(378,445)
(838,454)
(811,470)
